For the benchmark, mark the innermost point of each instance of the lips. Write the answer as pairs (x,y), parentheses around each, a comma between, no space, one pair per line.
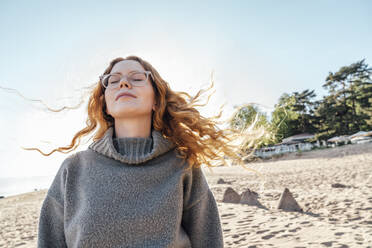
(125,94)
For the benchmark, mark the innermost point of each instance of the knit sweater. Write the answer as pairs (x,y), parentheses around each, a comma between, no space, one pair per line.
(129,192)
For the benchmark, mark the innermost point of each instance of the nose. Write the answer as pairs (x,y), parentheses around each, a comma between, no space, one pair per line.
(125,83)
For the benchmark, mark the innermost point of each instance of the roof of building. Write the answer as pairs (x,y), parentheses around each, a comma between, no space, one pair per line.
(298,138)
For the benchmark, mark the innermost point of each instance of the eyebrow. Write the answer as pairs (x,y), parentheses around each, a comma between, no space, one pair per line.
(118,72)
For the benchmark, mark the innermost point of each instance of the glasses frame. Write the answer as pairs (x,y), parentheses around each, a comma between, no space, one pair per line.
(104,76)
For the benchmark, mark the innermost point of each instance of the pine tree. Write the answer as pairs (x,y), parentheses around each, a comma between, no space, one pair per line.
(348,107)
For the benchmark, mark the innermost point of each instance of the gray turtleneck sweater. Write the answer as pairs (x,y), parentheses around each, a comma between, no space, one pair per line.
(129,192)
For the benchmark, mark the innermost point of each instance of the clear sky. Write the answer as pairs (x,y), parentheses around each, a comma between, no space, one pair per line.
(257,49)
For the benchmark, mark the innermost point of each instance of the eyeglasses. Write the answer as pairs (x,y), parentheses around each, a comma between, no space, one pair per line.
(136,78)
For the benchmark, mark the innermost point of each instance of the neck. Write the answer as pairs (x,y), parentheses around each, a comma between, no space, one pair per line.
(138,127)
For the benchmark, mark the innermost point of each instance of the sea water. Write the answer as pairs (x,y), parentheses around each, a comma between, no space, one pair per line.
(19,185)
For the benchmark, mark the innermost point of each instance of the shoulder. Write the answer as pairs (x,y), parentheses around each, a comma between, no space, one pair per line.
(81,156)
(66,164)
(75,158)
(70,159)
(56,189)
(171,158)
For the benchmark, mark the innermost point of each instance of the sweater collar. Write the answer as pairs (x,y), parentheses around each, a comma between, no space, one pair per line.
(132,150)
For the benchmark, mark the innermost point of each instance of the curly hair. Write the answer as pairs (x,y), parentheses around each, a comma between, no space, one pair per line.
(198,139)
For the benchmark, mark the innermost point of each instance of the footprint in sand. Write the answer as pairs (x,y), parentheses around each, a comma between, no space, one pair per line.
(262,231)
(355,218)
(244,222)
(364,209)
(267,236)
(227,215)
(358,237)
(238,241)
(286,235)
(367,222)
(242,228)
(276,232)
(333,219)
(328,243)
(295,229)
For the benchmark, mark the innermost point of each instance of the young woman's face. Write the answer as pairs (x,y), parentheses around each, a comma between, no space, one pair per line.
(128,107)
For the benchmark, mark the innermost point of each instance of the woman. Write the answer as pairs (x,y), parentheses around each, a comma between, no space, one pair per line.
(139,184)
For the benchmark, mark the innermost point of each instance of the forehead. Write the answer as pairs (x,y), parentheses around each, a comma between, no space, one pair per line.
(125,66)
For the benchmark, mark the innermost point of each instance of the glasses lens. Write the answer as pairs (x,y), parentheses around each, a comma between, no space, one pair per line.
(138,78)
(113,79)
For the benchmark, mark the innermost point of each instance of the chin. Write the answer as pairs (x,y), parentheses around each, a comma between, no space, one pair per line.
(130,113)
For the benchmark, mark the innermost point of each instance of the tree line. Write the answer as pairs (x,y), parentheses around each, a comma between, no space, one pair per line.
(344,110)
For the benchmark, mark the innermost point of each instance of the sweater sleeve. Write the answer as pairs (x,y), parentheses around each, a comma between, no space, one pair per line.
(201,219)
(51,220)
(51,228)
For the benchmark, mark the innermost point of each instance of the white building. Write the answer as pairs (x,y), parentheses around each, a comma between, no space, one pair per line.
(290,144)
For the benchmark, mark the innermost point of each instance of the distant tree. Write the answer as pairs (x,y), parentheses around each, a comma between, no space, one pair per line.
(282,117)
(293,115)
(304,107)
(328,118)
(348,107)
(246,115)
(250,116)
(363,94)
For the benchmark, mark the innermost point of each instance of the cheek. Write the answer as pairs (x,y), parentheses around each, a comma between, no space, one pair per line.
(109,100)
(151,95)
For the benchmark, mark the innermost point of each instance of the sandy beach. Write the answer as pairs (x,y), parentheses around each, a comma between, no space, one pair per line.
(332,216)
